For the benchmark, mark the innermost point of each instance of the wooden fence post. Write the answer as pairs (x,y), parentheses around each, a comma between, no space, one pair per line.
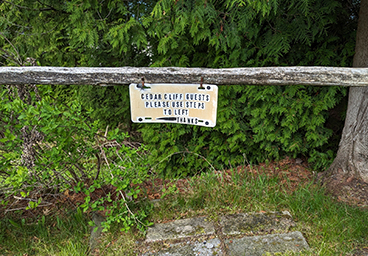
(315,76)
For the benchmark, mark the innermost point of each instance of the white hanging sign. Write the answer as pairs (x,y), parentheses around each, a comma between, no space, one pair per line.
(193,104)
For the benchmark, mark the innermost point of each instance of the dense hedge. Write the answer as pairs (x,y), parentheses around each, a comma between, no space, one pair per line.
(254,122)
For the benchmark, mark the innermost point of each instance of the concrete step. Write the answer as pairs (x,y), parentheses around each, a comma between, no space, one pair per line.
(180,229)
(235,234)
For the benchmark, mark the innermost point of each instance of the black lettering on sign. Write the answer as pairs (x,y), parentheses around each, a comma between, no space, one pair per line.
(173,96)
(151,96)
(197,97)
(181,120)
(192,120)
(187,120)
(167,112)
(195,105)
(152,104)
(177,104)
(181,112)
(163,104)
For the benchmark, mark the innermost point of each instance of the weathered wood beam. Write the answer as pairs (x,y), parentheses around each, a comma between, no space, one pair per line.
(243,76)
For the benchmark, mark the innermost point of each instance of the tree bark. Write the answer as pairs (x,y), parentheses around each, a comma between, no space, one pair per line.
(315,76)
(352,156)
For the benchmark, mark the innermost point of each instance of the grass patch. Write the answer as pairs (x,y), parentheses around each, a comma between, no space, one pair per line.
(330,227)
(63,234)
(47,235)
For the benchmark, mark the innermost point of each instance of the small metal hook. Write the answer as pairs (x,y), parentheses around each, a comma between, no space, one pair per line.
(201,86)
(141,85)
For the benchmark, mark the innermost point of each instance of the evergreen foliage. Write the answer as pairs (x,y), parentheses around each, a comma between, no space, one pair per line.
(254,122)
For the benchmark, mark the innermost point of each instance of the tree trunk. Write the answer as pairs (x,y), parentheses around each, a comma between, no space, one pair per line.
(352,156)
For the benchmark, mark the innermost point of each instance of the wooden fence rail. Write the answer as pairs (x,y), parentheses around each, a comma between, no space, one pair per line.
(319,76)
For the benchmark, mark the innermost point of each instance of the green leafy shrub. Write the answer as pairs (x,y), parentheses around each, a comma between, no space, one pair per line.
(254,123)
(49,146)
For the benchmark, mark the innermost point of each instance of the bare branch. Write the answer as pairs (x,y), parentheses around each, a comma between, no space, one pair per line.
(17,58)
(7,55)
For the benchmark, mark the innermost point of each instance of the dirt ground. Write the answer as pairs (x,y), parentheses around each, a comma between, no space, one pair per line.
(346,189)
(291,172)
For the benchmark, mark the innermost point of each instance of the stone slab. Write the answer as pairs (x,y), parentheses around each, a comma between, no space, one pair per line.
(207,248)
(180,229)
(260,245)
(96,231)
(256,223)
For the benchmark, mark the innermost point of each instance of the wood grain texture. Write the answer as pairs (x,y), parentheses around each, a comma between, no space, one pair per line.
(319,76)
